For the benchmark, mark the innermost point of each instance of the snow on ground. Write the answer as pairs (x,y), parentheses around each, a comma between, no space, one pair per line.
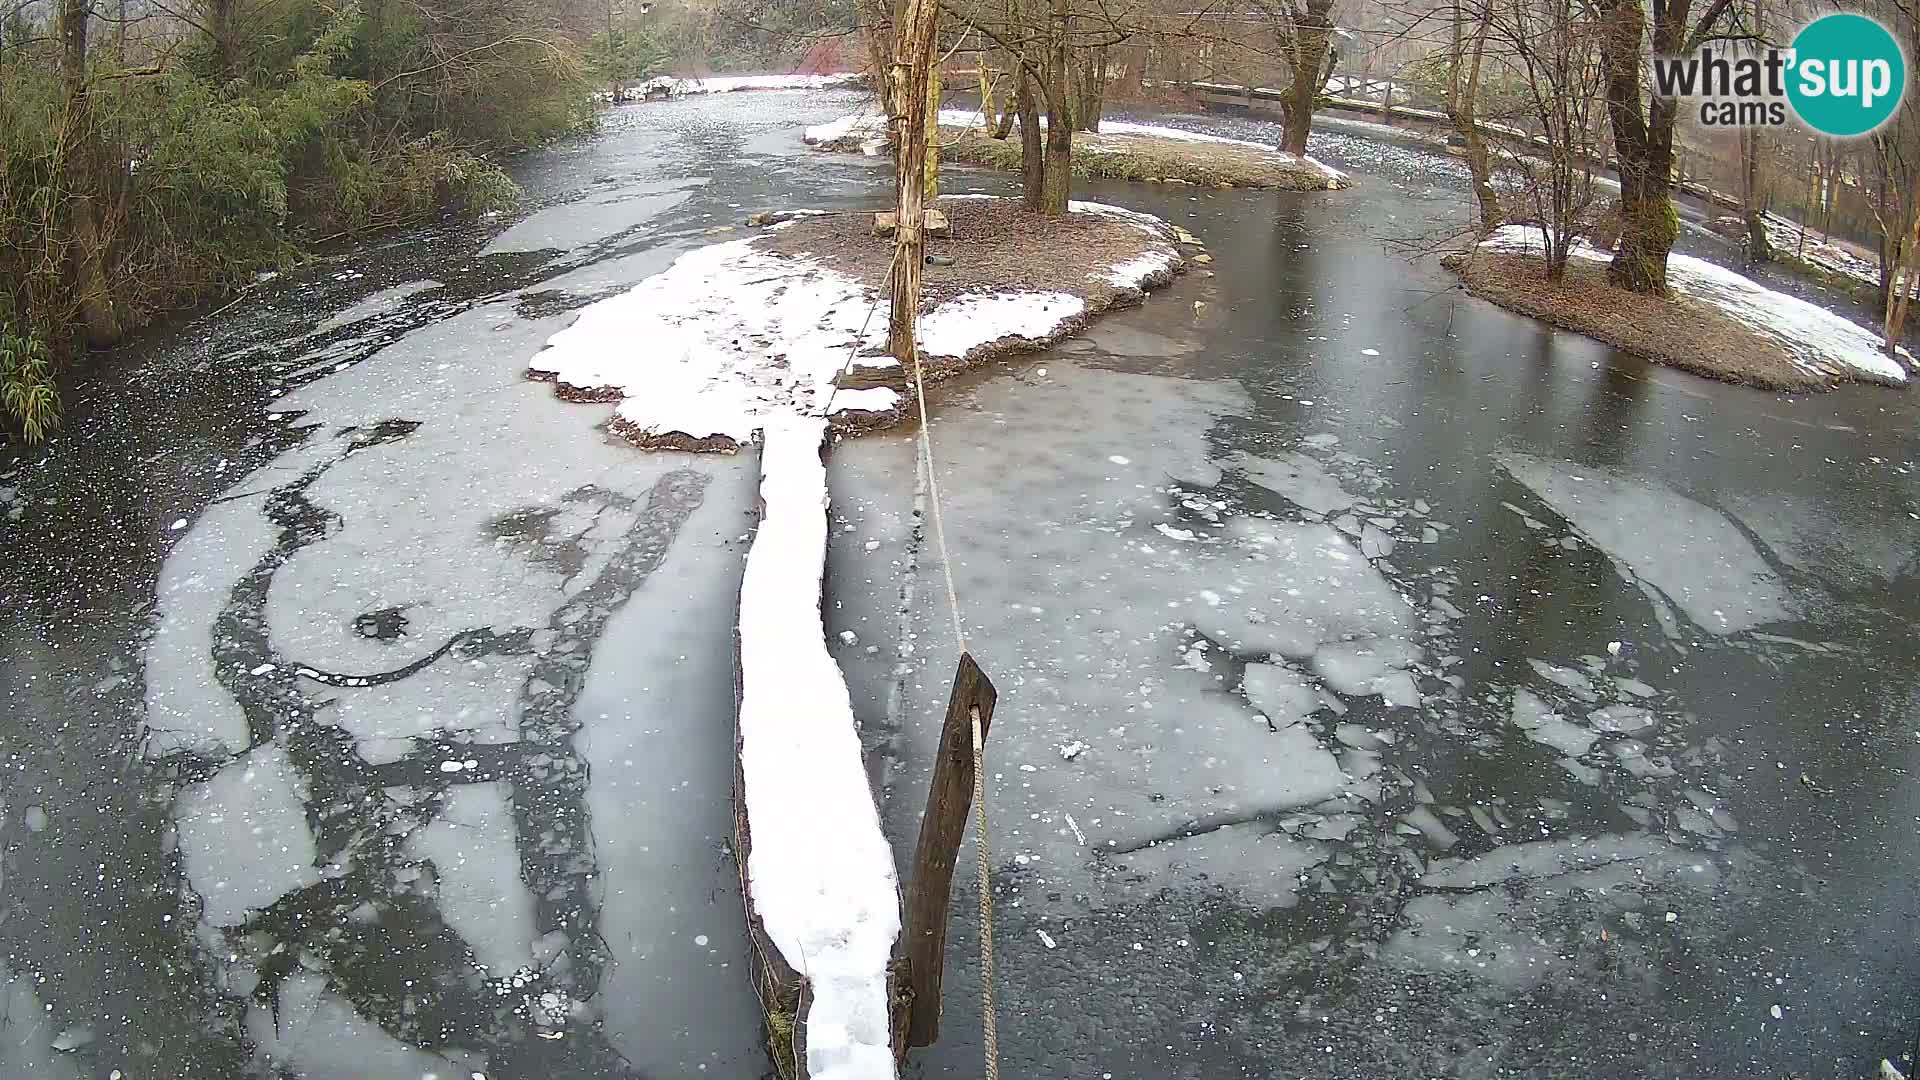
(729,336)
(820,872)
(1823,251)
(1820,341)
(954,327)
(680,86)
(874,128)
(725,337)
(1681,553)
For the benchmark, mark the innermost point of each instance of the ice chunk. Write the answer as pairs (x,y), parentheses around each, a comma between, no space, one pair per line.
(244,836)
(1280,693)
(1368,666)
(1299,479)
(1250,860)
(472,848)
(1691,554)
(316,1035)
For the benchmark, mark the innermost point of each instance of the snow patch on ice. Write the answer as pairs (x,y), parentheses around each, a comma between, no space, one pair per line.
(819,869)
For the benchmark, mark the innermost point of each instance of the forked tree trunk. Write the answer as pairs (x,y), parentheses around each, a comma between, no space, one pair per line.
(912,61)
(1643,142)
(1059,95)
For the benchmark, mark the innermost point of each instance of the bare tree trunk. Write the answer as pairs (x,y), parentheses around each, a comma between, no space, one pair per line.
(875,25)
(1058,92)
(1009,103)
(220,22)
(1092,89)
(1759,248)
(1648,224)
(984,72)
(931,180)
(83,173)
(1133,68)
(1806,205)
(1309,57)
(1033,162)
(1463,103)
(912,59)
(1901,278)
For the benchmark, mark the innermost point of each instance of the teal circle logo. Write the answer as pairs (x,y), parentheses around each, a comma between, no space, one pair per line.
(1848,76)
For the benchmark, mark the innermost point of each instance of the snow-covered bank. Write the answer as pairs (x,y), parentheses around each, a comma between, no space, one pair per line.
(1823,251)
(819,872)
(868,133)
(682,86)
(1820,342)
(726,336)
(732,335)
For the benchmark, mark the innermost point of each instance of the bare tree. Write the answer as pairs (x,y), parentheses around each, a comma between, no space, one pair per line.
(1549,47)
(1466,60)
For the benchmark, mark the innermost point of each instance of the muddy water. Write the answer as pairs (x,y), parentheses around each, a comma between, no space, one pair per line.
(368,711)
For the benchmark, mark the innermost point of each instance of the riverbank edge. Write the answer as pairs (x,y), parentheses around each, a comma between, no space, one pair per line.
(1670,331)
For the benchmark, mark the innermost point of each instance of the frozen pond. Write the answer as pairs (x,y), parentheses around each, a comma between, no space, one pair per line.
(1389,686)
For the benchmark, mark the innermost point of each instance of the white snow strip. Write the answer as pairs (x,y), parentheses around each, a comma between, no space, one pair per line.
(819,869)
(1135,272)
(875,128)
(722,84)
(1818,340)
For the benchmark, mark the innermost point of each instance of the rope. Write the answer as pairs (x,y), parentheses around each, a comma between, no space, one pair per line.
(990,1030)
(933,492)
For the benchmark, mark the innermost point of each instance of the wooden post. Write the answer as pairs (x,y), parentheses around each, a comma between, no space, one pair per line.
(949,798)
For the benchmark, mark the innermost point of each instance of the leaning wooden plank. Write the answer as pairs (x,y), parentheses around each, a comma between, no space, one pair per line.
(930,888)
(819,874)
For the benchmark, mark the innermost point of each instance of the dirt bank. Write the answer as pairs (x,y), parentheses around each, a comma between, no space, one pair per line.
(1676,330)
